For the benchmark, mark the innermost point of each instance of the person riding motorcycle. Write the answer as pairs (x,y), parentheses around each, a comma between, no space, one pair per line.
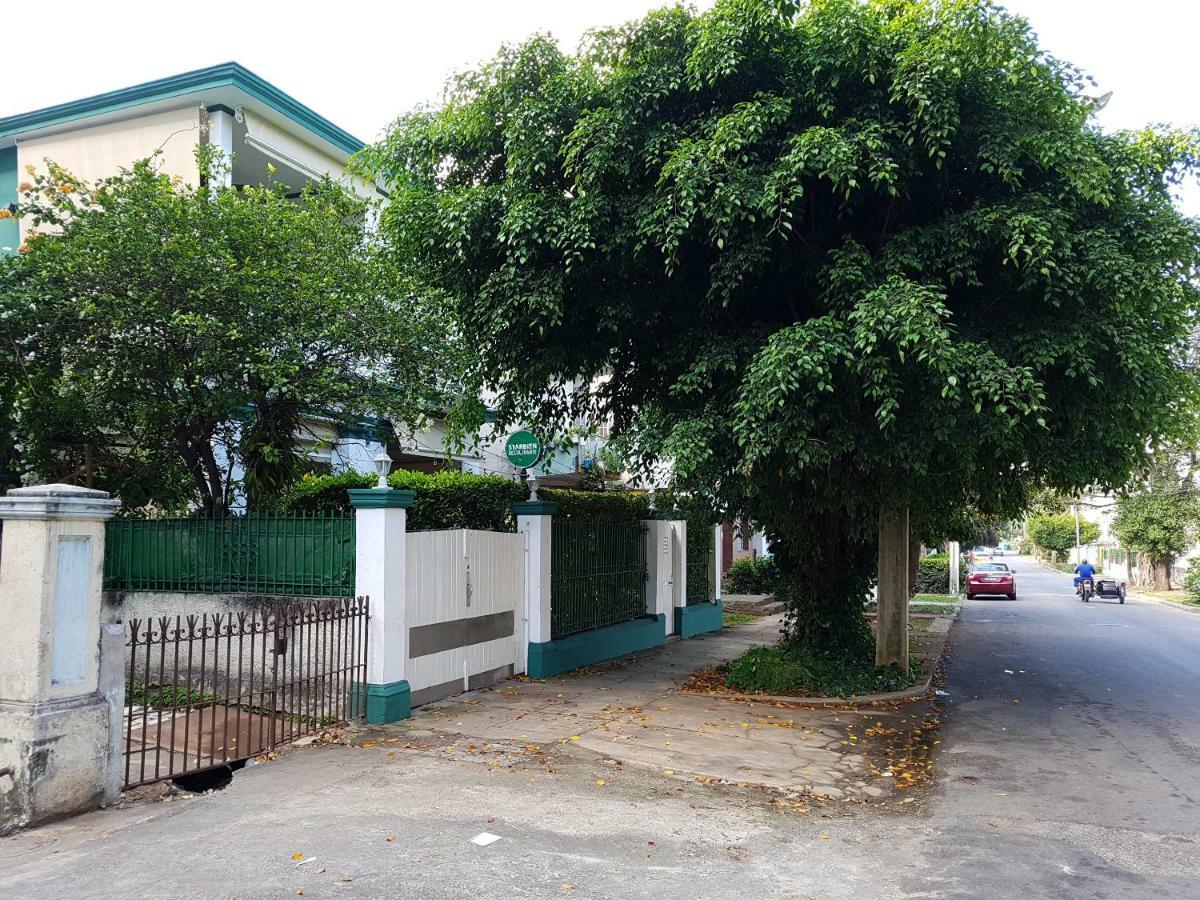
(1084,572)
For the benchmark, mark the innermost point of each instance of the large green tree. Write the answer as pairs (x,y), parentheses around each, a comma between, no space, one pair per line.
(829,259)
(154,333)
(1055,532)
(1159,515)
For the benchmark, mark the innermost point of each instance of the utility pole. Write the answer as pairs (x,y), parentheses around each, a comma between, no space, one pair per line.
(1075,508)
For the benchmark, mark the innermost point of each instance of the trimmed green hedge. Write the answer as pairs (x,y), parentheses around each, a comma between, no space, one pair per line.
(933,574)
(444,500)
(611,507)
(465,500)
(752,576)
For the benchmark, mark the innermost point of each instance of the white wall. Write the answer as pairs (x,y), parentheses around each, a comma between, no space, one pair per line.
(103,150)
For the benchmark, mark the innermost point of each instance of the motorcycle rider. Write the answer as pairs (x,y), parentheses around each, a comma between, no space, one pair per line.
(1084,572)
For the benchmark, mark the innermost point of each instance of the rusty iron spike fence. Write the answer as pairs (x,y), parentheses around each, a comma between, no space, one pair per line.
(203,691)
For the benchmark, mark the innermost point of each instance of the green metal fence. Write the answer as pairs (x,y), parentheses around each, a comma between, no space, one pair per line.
(597,576)
(700,550)
(297,554)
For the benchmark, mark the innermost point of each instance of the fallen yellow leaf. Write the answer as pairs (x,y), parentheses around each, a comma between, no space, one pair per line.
(600,781)
(297,856)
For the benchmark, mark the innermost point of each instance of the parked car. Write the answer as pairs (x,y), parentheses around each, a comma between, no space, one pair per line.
(991,578)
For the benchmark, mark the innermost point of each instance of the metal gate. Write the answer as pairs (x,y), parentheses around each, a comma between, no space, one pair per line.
(597,574)
(206,690)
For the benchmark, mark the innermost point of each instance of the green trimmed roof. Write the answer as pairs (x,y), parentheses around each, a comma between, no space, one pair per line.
(226,76)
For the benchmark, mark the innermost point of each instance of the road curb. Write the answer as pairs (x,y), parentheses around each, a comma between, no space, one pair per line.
(916,692)
(1158,601)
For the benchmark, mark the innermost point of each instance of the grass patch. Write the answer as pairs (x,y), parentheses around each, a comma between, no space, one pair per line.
(1180,597)
(933,598)
(794,670)
(731,619)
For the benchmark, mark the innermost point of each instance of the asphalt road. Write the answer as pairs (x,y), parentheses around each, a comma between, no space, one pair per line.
(1070,763)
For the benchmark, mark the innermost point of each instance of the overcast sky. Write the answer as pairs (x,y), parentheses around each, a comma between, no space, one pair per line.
(360,64)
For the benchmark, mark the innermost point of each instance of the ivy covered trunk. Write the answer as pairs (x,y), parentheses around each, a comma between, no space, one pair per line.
(824,580)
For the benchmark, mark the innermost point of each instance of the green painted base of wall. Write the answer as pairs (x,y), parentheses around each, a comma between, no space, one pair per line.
(385,702)
(699,618)
(590,647)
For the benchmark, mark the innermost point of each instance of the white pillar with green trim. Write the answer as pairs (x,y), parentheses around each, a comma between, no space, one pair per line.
(534,521)
(380,526)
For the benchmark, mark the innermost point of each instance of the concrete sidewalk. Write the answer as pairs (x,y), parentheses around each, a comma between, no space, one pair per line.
(632,712)
(604,783)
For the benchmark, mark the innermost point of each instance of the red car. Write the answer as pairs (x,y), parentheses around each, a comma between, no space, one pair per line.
(991,578)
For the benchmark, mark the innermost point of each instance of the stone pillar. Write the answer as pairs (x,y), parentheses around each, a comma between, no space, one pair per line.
(380,523)
(659,575)
(891,622)
(55,718)
(534,520)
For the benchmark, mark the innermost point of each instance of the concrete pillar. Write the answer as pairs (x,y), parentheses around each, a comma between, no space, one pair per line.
(55,718)
(220,136)
(955,564)
(659,575)
(714,568)
(679,564)
(891,635)
(534,521)
(380,523)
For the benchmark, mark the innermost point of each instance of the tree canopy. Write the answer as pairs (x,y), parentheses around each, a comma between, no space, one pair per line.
(1055,532)
(825,258)
(155,333)
(1160,515)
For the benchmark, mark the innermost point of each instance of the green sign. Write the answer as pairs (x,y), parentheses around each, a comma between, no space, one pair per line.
(523,449)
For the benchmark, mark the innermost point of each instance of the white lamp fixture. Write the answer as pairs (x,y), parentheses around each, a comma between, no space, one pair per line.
(383,465)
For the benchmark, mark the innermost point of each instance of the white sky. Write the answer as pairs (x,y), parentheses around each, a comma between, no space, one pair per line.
(360,64)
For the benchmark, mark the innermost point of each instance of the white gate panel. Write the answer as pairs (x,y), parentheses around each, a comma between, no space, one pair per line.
(464,592)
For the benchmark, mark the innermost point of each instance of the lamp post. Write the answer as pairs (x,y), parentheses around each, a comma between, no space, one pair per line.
(383,465)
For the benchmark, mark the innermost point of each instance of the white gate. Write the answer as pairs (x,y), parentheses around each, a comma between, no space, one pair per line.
(464,598)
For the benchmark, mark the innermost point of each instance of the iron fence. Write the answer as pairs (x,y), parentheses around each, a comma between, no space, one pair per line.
(700,548)
(295,554)
(204,691)
(597,576)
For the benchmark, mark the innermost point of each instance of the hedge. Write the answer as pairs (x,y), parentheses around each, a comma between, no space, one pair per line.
(752,576)
(465,500)
(614,507)
(444,499)
(933,574)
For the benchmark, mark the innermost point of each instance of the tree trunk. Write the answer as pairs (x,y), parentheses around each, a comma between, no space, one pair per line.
(891,623)
(1145,572)
(1161,569)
